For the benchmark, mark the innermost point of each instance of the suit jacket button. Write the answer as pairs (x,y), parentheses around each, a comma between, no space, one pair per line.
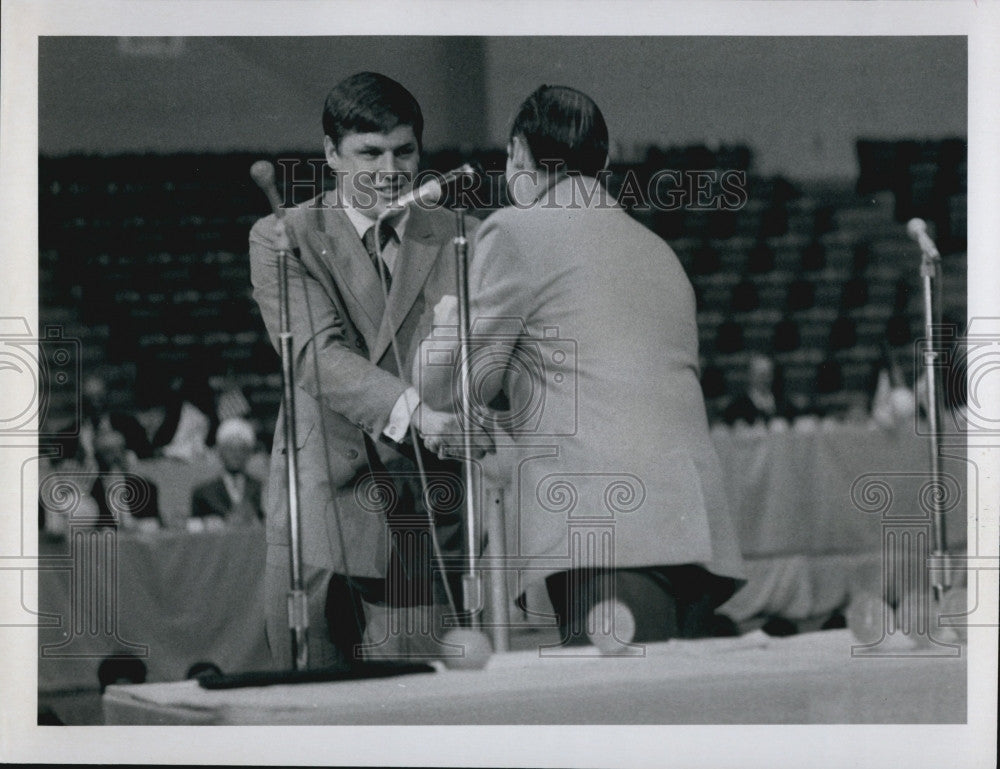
(352,453)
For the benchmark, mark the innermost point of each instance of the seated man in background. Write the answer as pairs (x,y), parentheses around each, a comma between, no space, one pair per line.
(234,497)
(124,499)
(763,399)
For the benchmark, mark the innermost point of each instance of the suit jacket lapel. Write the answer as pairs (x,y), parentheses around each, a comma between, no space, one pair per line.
(359,284)
(417,254)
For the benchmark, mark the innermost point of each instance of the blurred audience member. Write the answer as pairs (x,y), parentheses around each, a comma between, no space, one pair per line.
(123,498)
(97,418)
(231,403)
(190,421)
(234,497)
(893,403)
(763,399)
(856,409)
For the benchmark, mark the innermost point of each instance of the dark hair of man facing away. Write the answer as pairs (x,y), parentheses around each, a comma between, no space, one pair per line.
(370,103)
(564,130)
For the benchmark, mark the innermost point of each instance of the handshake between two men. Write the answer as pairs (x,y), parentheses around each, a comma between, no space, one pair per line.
(446,432)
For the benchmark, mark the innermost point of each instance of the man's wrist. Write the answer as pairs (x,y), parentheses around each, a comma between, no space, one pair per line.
(401,414)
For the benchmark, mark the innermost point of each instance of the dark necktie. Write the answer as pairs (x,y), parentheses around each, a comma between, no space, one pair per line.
(385,235)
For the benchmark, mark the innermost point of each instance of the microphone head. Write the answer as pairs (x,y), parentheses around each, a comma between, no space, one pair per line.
(262,172)
(429,192)
(916,228)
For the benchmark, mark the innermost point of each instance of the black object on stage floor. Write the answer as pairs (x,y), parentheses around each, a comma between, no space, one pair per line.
(353,672)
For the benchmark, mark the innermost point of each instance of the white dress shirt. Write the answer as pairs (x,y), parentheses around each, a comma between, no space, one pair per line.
(362,223)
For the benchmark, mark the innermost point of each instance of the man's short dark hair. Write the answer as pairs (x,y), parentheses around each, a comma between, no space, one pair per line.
(370,103)
(563,128)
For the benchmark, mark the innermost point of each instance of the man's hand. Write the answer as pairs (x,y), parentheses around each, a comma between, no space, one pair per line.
(443,435)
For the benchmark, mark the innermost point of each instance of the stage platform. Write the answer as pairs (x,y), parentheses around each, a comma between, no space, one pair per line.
(812,678)
(175,598)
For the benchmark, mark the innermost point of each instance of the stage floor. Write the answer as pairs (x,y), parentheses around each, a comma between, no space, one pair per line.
(811,678)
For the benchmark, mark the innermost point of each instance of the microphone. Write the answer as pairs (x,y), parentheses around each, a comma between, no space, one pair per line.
(262,172)
(431,190)
(917,230)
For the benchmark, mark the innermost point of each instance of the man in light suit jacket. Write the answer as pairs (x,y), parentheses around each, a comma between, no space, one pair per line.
(233,498)
(360,502)
(591,320)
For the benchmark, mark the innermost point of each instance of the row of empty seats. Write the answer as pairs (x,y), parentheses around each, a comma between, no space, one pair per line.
(814,273)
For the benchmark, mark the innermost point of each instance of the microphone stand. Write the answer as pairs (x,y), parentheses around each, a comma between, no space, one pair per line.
(298,615)
(471,579)
(262,173)
(930,268)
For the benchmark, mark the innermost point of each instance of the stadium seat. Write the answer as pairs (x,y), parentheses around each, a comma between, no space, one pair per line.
(760,259)
(854,294)
(729,337)
(774,222)
(705,260)
(744,297)
(786,336)
(713,382)
(897,331)
(843,334)
(801,295)
(828,377)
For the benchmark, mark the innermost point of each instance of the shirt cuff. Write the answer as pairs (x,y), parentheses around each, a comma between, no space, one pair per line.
(402,412)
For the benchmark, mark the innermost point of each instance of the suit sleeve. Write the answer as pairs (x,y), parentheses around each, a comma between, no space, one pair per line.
(199,504)
(500,306)
(326,367)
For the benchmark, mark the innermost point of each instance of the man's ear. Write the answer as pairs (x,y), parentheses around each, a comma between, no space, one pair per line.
(330,150)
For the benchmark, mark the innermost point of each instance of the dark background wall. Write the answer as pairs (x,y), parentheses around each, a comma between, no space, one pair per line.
(800,103)
(240,93)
